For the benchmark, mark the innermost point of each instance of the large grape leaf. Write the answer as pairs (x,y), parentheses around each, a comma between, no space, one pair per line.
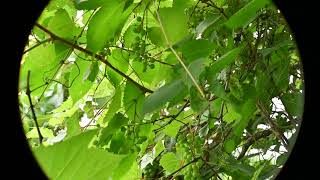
(160,97)
(126,163)
(106,23)
(114,105)
(41,62)
(89,4)
(206,23)
(62,25)
(224,61)
(72,159)
(72,123)
(113,126)
(246,14)
(80,86)
(132,101)
(172,129)
(247,109)
(293,102)
(170,162)
(174,23)
(195,49)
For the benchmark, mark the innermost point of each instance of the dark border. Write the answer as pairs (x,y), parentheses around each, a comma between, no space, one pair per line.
(301,17)
(18,22)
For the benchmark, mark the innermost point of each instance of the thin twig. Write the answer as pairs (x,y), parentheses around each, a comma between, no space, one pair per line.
(178,57)
(36,45)
(273,126)
(170,176)
(253,139)
(28,92)
(98,56)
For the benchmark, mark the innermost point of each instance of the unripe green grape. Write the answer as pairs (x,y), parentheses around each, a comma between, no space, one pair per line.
(151,66)
(187,177)
(198,164)
(189,157)
(139,19)
(137,29)
(95,142)
(137,38)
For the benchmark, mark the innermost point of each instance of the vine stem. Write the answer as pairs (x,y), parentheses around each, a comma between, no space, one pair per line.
(170,176)
(178,57)
(36,45)
(98,56)
(28,92)
(273,126)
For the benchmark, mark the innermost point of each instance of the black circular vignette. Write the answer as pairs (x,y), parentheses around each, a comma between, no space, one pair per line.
(18,19)
(17,25)
(300,17)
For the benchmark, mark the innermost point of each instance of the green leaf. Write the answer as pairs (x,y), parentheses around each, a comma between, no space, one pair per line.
(125,164)
(198,104)
(114,125)
(73,159)
(206,23)
(229,145)
(45,132)
(156,36)
(293,103)
(174,17)
(88,109)
(281,72)
(105,24)
(195,68)
(120,60)
(160,97)
(130,35)
(224,61)
(89,4)
(247,109)
(144,130)
(80,86)
(62,25)
(217,88)
(246,14)
(133,98)
(173,128)
(72,123)
(170,162)
(117,142)
(258,172)
(151,76)
(159,147)
(203,132)
(92,72)
(196,49)
(114,105)
(41,62)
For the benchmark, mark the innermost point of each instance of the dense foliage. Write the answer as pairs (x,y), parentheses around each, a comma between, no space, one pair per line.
(161,89)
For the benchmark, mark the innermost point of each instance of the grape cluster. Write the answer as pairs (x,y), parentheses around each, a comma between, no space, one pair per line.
(153,171)
(139,47)
(192,147)
(198,14)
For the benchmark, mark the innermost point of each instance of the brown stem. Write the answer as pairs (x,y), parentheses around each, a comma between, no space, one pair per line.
(36,45)
(98,56)
(170,176)
(273,126)
(253,139)
(28,92)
